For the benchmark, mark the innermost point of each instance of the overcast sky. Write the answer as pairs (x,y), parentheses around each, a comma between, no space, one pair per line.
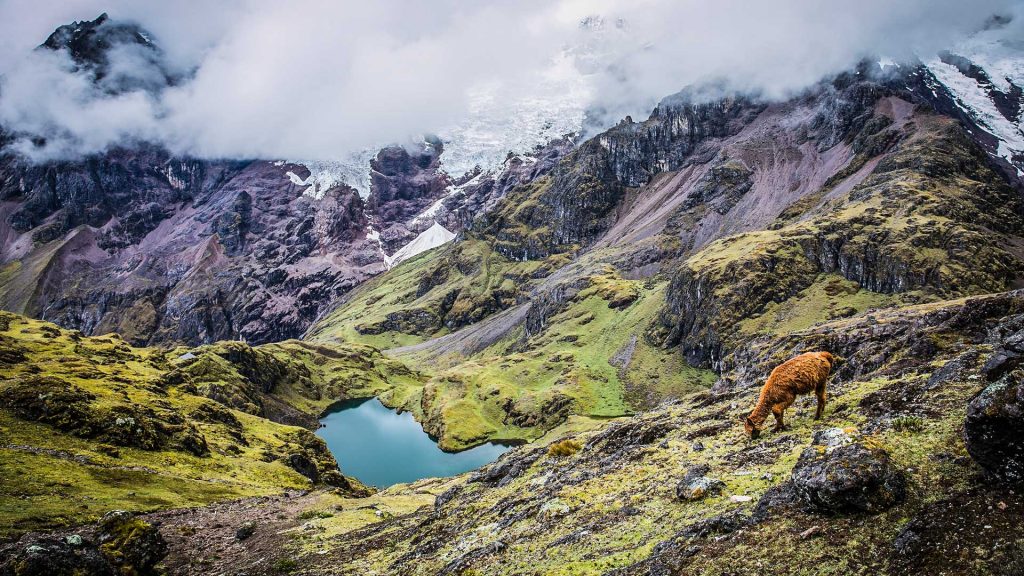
(315,79)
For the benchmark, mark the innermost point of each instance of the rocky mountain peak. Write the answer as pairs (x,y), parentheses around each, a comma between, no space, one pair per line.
(119,55)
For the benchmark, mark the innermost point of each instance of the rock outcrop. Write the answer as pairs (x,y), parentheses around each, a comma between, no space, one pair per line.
(120,544)
(838,473)
(994,428)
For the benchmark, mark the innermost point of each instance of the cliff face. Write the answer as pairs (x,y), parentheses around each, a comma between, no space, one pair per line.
(575,204)
(168,249)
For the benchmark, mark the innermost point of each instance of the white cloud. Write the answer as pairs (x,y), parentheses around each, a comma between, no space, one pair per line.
(318,79)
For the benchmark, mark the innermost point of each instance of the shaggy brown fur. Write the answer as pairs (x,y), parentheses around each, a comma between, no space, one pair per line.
(803,374)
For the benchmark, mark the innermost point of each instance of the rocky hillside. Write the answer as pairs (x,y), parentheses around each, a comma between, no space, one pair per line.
(612,304)
(912,470)
(915,468)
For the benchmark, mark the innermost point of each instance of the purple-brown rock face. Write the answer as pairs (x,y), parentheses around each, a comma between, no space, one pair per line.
(164,249)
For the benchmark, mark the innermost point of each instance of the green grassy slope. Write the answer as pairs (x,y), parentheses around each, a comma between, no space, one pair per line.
(90,424)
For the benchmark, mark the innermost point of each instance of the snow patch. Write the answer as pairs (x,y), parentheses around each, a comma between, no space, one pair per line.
(498,124)
(430,238)
(973,99)
(353,171)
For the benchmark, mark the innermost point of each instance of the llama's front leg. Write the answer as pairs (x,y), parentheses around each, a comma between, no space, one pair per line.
(778,411)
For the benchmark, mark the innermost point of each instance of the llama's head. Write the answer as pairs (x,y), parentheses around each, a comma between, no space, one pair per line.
(752,429)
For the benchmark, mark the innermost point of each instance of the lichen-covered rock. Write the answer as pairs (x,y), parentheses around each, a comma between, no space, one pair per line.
(1008,341)
(303,465)
(247,529)
(776,501)
(132,544)
(994,428)
(839,473)
(696,485)
(509,467)
(65,406)
(53,556)
(554,508)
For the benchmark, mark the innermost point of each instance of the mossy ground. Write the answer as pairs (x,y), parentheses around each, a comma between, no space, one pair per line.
(591,357)
(590,360)
(575,357)
(72,462)
(932,222)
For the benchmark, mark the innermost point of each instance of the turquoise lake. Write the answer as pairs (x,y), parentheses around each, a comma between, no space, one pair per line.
(381,447)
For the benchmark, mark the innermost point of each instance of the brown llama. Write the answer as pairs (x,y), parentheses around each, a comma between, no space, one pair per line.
(802,374)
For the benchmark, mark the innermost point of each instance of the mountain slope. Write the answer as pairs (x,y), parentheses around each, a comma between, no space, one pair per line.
(694,232)
(618,500)
(168,249)
(615,304)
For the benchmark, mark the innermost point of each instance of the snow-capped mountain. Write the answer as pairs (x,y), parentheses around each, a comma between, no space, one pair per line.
(983,78)
(496,125)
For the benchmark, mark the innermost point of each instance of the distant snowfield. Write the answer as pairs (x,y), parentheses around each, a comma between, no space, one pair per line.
(430,238)
(1003,62)
(496,124)
(354,171)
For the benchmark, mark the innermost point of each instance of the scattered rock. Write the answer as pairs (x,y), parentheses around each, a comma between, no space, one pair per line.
(446,496)
(509,467)
(838,474)
(955,369)
(810,532)
(777,499)
(124,545)
(246,530)
(636,432)
(994,429)
(462,563)
(695,485)
(726,523)
(52,556)
(554,508)
(303,465)
(947,536)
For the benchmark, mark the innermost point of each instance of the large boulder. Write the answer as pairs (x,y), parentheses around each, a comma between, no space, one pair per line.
(121,545)
(840,472)
(994,428)
(131,543)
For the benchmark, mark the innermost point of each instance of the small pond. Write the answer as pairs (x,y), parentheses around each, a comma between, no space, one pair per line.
(381,447)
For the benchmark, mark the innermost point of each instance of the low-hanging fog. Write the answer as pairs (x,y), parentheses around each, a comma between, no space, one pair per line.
(318,79)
